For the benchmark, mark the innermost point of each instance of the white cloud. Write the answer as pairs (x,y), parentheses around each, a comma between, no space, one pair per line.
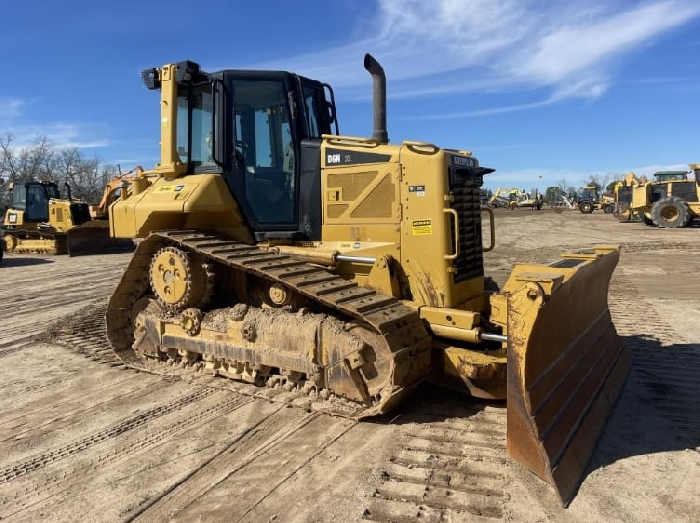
(13,118)
(487,112)
(11,108)
(447,46)
(60,135)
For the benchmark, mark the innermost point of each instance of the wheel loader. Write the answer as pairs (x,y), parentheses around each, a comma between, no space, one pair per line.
(276,251)
(39,220)
(670,200)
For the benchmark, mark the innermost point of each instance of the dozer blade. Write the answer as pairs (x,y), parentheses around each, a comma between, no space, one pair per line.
(566,364)
(93,238)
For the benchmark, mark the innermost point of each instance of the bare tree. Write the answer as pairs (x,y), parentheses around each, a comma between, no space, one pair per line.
(601,181)
(82,174)
(41,161)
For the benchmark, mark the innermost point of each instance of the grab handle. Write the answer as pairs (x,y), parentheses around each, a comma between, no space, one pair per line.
(455,216)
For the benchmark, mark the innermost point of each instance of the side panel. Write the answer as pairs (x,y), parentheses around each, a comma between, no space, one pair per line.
(441,251)
(360,193)
(200,201)
(425,229)
(686,190)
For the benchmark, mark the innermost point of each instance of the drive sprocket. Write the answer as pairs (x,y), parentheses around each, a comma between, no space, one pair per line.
(180,279)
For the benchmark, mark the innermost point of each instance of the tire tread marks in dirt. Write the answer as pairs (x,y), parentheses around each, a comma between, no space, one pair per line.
(138,420)
(445,470)
(664,363)
(84,332)
(282,439)
(59,482)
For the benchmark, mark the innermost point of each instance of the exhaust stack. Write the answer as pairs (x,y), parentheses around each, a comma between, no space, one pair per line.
(379,132)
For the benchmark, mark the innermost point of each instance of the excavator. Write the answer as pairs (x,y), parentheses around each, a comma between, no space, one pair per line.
(111,192)
(506,198)
(277,252)
(40,220)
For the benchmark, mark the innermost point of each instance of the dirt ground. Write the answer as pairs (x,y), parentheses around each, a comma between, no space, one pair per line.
(82,438)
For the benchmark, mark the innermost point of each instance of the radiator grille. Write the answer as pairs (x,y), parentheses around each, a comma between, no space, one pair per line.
(470,261)
(80,213)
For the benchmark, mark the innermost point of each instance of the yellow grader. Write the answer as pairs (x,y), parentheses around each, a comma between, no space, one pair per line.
(277,251)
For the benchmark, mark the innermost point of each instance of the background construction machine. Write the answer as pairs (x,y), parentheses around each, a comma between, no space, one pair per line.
(277,253)
(670,200)
(557,197)
(513,198)
(112,192)
(504,197)
(39,220)
(589,198)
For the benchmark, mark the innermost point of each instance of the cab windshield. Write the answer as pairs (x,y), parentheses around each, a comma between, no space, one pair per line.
(52,192)
(588,195)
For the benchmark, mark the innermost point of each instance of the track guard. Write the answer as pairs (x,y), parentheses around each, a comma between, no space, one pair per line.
(566,365)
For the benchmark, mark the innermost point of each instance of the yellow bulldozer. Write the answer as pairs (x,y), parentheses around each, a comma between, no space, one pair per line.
(276,251)
(39,220)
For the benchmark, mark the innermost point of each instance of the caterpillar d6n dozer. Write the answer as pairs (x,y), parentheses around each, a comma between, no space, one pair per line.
(276,252)
(38,220)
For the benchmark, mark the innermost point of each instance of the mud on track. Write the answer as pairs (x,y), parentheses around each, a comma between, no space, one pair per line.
(84,438)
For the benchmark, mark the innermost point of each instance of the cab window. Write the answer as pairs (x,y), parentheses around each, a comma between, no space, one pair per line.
(263,149)
(194,113)
(314,105)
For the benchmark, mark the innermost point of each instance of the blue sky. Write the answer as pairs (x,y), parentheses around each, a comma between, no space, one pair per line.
(534,88)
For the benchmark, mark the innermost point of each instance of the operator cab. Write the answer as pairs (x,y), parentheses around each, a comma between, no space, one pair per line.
(666,176)
(261,130)
(33,198)
(588,194)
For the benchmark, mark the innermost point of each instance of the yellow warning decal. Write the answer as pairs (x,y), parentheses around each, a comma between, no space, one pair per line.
(422,227)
